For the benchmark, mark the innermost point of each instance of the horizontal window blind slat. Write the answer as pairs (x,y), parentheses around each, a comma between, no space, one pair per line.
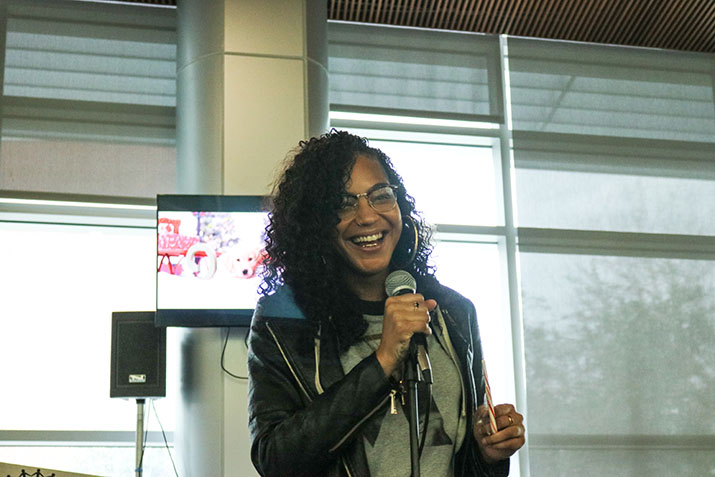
(126,46)
(536,240)
(59,119)
(62,62)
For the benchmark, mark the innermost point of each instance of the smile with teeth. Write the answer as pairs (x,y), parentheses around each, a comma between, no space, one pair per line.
(367,240)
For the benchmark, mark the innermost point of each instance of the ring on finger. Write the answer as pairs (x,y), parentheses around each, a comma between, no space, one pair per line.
(417,305)
(511,421)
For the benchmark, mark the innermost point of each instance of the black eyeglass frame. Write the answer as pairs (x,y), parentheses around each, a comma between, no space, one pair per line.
(348,211)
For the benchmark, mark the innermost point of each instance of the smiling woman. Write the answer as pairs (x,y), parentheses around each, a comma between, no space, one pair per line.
(309,210)
(328,346)
(369,229)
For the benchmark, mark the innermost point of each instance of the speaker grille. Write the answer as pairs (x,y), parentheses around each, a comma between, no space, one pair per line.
(138,356)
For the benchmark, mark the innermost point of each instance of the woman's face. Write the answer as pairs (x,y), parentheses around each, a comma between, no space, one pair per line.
(367,239)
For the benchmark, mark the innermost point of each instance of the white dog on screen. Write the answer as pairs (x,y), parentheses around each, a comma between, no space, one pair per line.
(241,261)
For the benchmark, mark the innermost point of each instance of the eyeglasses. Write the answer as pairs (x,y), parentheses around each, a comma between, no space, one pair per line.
(381,200)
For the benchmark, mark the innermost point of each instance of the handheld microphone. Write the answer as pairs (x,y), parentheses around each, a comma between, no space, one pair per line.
(398,283)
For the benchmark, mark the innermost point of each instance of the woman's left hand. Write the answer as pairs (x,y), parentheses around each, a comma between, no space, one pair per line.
(509,437)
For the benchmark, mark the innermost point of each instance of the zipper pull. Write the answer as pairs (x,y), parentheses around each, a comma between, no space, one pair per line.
(403,392)
(393,405)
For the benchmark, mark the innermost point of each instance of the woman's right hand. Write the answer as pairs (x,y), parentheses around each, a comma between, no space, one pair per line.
(404,316)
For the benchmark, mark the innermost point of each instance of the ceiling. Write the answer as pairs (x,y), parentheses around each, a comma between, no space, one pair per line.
(671,24)
(687,25)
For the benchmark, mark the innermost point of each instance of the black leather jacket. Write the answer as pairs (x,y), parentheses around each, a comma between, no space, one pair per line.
(305,413)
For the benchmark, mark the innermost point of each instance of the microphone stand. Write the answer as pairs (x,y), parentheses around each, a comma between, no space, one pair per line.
(418,369)
(413,375)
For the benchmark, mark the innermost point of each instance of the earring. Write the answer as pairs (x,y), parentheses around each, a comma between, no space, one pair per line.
(411,251)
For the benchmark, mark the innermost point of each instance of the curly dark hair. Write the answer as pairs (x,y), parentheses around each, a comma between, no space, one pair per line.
(300,240)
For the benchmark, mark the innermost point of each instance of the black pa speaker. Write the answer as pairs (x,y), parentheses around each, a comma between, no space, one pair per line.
(138,356)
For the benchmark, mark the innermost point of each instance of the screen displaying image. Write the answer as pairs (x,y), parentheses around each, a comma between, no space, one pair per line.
(210,252)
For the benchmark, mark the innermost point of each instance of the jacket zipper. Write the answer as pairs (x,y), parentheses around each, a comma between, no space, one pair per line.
(290,367)
(345,464)
(316,348)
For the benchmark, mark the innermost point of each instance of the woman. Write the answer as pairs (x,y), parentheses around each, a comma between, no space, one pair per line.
(327,345)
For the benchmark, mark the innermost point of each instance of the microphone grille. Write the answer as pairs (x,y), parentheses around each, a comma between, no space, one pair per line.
(399,282)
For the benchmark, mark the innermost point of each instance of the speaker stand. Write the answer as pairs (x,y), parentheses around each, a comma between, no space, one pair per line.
(140,438)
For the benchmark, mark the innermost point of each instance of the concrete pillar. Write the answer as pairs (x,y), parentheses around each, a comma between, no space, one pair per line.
(251,82)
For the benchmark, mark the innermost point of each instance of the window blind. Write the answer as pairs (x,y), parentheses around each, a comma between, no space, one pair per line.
(417,71)
(611,91)
(89,95)
(90,52)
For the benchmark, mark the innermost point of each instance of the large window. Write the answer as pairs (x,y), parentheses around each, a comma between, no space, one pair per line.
(615,187)
(62,284)
(594,222)
(88,118)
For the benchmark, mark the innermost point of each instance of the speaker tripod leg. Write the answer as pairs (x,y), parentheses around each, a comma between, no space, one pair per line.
(140,438)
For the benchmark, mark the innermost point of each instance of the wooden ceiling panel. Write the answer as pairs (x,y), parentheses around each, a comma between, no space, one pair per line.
(687,25)
(670,24)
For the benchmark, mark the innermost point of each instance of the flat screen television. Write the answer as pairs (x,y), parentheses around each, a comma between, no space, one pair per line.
(210,251)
